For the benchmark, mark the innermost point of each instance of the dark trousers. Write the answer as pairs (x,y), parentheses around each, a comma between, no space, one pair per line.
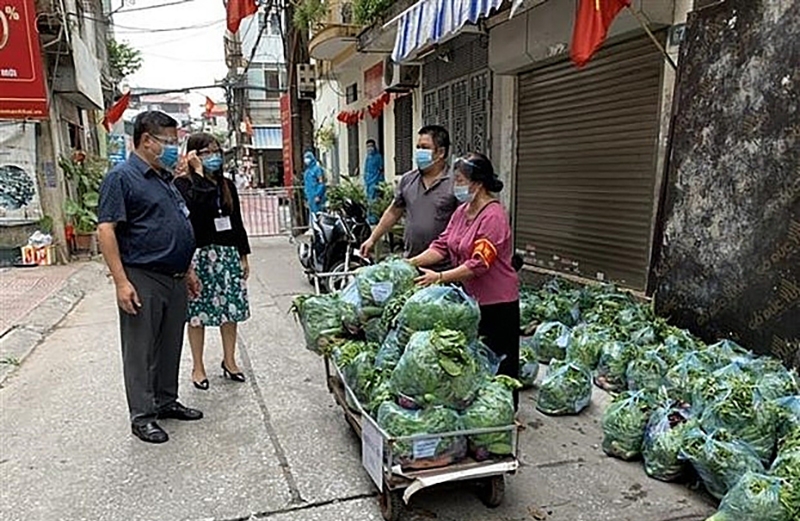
(152,341)
(499,329)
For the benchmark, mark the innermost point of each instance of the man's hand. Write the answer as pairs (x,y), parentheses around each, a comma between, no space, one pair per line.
(193,285)
(127,298)
(245,268)
(366,248)
(428,277)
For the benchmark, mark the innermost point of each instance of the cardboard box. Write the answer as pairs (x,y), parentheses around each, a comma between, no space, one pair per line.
(41,256)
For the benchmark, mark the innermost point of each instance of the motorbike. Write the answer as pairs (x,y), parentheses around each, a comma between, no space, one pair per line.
(333,251)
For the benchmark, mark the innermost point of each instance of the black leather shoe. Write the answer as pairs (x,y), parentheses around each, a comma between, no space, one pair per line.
(176,411)
(150,432)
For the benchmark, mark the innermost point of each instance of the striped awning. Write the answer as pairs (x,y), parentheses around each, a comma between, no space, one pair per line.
(431,21)
(267,138)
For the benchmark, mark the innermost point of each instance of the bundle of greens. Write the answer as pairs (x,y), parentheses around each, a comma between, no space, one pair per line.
(390,352)
(550,341)
(791,441)
(663,439)
(624,423)
(788,411)
(586,344)
(392,308)
(400,422)
(787,467)
(756,497)
(438,368)
(493,407)
(721,354)
(529,299)
(719,459)
(553,304)
(528,366)
(647,372)
(567,389)
(444,306)
(361,375)
(378,283)
(682,377)
(321,319)
(612,368)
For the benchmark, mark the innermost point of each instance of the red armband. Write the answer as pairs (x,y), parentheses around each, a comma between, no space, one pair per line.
(484,251)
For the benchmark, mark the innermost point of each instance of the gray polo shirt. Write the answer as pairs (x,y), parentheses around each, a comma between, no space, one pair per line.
(427,210)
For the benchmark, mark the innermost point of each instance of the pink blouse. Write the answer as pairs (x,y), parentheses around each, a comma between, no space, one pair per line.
(484,246)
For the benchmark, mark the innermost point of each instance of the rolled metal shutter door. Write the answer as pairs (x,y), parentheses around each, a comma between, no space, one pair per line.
(586,163)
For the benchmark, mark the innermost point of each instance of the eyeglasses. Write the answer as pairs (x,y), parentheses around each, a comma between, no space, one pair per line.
(207,152)
(164,141)
(462,161)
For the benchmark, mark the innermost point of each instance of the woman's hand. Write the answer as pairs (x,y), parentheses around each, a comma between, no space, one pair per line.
(193,285)
(193,161)
(245,268)
(428,277)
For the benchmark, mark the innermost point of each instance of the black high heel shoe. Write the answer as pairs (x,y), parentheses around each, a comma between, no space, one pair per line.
(236,377)
(203,386)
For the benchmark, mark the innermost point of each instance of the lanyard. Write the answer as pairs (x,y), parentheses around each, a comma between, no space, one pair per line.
(219,199)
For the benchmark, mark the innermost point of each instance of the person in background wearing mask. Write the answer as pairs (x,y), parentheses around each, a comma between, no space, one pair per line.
(477,242)
(425,196)
(373,175)
(221,257)
(314,180)
(147,241)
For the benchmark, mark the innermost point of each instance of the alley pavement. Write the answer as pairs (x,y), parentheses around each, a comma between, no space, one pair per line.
(275,447)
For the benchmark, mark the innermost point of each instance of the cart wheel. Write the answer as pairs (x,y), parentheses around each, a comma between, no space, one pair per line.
(492,491)
(391,504)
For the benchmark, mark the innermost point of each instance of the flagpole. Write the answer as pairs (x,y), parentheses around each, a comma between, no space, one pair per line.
(661,48)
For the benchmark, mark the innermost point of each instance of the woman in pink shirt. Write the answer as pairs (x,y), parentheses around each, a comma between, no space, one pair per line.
(478,243)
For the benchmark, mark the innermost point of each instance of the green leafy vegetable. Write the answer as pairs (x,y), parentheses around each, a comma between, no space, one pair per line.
(788,414)
(550,341)
(443,306)
(493,407)
(528,364)
(612,369)
(646,372)
(756,497)
(567,389)
(586,344)
(624,424)
(663,439)
(321,319)
(377,284)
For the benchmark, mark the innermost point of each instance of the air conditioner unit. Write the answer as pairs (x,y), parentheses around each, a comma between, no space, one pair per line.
(399,78)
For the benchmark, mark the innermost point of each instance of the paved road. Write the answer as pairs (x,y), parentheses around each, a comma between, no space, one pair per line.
(22,289)
(275,447)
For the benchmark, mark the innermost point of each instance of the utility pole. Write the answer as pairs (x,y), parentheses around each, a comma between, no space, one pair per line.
(302,110)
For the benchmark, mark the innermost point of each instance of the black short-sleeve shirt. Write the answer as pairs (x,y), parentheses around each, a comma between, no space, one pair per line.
(152,221)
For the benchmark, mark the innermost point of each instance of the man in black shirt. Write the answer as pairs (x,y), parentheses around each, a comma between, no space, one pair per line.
(147,241)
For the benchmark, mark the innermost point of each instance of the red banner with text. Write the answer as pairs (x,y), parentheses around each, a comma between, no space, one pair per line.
(22,87)
(286,126)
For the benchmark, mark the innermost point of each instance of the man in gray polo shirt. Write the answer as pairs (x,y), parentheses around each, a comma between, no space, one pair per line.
(424,196)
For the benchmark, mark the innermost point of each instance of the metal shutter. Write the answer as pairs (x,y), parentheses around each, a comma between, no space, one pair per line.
(586,163)
(403,134)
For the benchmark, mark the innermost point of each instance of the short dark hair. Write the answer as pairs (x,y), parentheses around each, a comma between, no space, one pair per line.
(372,142)
(151,122)
(439,135)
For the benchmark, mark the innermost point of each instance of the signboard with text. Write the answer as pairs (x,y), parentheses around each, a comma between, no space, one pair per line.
(286,127)
(22,87)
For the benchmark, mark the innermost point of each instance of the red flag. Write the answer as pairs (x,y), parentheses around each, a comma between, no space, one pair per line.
(238,10)
(115,112)
(592,21)
(248,126)
(209,106)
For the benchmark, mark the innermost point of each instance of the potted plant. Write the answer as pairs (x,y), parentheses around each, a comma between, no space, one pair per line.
(85,173)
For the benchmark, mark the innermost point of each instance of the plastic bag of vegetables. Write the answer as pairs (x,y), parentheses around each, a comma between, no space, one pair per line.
(682,377)
(756,497)
(437,368)
(624,424)
(586,344)
(741,410)
(379,282)
(787,466)
(663,438)
(493,407)
(550,341)
(791,441)
(528,366)
(719,459)
(612,368)
(788,411)
(646,372)
(428,453)
(362,376)
(567,389)
(390,352)
(443,306)
(321,320)
(392,308)
(488,361)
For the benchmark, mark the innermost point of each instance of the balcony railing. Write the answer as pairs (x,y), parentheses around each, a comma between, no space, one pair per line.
(335,32)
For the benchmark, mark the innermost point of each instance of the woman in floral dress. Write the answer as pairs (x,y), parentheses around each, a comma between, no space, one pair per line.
(221,257)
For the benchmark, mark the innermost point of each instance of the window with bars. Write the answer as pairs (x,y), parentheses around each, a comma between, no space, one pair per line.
(353,143)
(351,93)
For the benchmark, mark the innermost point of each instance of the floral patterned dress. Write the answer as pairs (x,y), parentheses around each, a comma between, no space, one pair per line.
(218,259)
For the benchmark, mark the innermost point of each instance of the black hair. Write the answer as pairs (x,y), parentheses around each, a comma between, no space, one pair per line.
(372,142)
(480,170)
(198,142)
(151,122)
(439,135)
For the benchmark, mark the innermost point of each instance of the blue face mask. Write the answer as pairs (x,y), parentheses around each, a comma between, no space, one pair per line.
(462,193)
(212,164)
(169,156)
(424,158)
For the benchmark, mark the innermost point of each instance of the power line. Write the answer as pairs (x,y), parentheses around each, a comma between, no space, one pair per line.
(137,30)
(177,59)
(145,8)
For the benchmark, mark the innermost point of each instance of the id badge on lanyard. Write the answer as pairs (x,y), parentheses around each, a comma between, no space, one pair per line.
(223,222)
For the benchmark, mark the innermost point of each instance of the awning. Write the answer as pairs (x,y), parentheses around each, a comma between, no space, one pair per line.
(267,138)
(431,21)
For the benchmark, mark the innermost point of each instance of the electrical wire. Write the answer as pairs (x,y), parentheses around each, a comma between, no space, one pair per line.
(138,30)
(188,60)
(147,7)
